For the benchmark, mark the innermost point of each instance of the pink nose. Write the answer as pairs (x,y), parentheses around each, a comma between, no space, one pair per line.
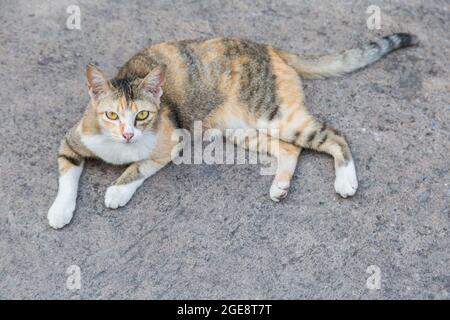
(128,136)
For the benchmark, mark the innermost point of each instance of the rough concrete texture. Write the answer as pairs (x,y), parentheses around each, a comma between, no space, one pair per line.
(199,231)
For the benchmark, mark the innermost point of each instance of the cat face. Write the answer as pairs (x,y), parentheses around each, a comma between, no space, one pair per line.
(126,109)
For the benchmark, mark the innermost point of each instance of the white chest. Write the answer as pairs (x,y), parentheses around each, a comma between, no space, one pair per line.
(119,153)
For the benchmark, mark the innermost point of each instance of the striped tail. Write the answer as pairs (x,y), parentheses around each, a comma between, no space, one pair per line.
(319,67)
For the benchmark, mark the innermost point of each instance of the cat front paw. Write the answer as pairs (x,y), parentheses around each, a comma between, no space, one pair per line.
(279,190)
(118,196)
(60,213)
(346,182)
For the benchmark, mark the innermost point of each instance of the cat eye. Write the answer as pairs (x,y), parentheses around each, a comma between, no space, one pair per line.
(112,115)
(142,115)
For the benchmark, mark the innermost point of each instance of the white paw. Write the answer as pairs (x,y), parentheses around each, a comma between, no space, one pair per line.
(60,213)
(118,196)
(346,182)
(279,190)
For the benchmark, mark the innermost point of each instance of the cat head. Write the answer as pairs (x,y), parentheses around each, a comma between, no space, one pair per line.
(126,109)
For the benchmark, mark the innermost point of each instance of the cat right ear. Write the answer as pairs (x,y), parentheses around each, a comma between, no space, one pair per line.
(98,84)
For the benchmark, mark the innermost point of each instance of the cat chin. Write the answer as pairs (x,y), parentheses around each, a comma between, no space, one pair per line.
(123,141)
(127,143)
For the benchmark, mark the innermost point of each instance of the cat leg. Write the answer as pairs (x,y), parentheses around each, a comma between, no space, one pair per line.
(319,137)
(285,153)
(287,158)
(123,188)
(70,165)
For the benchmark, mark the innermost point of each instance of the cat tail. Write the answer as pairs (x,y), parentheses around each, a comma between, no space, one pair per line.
(335,65)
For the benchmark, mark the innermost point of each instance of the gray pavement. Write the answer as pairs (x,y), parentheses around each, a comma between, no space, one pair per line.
(199,231)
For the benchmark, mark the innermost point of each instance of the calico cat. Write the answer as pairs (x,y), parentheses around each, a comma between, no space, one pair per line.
(227,83)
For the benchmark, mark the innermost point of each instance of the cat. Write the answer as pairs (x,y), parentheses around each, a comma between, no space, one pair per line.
(228,83)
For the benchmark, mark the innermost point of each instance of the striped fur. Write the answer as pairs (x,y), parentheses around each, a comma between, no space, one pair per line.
(315,67)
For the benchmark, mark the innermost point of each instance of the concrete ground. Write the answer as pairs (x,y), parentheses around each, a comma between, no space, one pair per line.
(199,231)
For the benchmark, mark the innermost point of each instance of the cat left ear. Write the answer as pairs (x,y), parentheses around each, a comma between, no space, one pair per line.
(98,84)
(153,82)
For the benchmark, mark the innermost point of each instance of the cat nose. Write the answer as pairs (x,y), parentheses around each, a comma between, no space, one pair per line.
(128,136)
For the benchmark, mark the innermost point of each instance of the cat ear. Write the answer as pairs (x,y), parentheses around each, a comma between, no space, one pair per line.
(153,82)
(98,84)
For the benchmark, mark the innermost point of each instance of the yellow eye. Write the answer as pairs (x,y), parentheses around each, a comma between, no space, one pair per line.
(142,115)
(111,115)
